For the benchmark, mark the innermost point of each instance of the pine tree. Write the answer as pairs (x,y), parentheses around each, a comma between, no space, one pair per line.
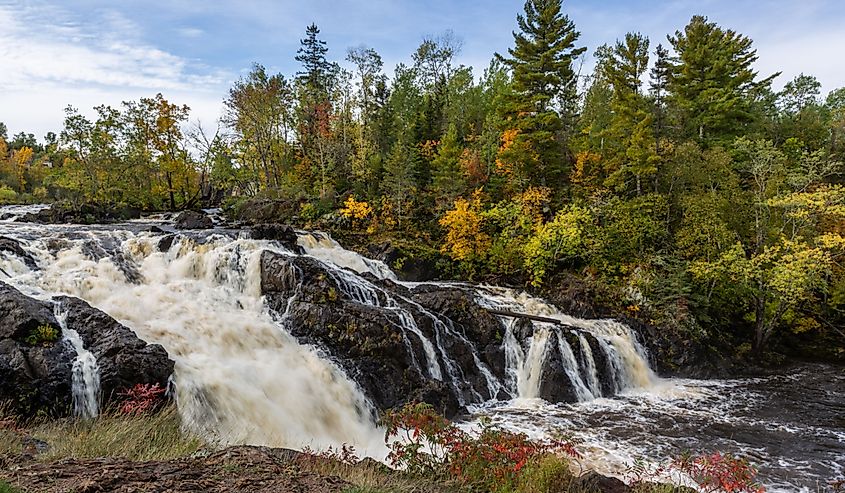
(633,154)
(543,88)
(449,180)
(316,70)
(711,80)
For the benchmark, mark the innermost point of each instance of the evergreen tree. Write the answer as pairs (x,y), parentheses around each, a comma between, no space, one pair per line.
(711,80)
(543,83)
(449,181)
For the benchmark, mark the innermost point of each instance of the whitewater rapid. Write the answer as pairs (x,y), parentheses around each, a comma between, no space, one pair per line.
(240,377)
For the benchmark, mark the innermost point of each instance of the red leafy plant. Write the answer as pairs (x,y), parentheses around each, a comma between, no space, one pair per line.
(424,443)
(141,399)
(345,454)
(720,473)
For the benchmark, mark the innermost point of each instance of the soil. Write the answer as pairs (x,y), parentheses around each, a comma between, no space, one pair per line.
(237,469)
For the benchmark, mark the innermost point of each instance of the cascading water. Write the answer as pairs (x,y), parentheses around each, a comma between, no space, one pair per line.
(85,373)
(240,376)
(627,360)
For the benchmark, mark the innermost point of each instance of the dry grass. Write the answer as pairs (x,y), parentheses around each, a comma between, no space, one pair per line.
(371,476)
(156,436)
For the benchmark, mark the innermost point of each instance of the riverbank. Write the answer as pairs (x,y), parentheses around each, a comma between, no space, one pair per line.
(151,452)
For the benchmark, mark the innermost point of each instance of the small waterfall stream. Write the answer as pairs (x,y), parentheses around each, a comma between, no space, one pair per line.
(85,373)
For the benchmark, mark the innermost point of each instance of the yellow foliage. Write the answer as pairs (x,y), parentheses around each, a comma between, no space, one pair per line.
(587,168)
(464,237)
(428,149)
(352,209)
(533,201)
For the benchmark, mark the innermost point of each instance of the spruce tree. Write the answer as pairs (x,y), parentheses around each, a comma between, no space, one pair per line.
(544,91)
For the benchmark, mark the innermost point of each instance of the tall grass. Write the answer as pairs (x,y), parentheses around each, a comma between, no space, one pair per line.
(142,437)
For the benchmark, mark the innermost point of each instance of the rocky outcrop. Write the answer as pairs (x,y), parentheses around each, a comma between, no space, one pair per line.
(281,233)
(193,220)
(123,358)
(62,213)
(35,374)
(265,211)
(11,246)
(35,371)
(364,340)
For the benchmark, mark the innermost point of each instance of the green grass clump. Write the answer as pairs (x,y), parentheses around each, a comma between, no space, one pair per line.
(548,475)
(157,436)
(7,488)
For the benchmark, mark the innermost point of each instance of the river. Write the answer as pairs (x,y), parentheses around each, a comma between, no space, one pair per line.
(199,299)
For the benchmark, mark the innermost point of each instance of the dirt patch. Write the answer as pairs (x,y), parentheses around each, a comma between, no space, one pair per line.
(237,469)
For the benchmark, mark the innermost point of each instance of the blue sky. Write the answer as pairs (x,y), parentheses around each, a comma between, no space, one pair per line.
(89,52)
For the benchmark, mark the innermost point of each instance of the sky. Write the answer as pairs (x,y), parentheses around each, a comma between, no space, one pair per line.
(85,53)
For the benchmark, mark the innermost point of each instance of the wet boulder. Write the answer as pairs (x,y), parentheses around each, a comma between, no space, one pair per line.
(281,233)
(11,246)
(193,220)
(123,358)
(35,362)
(321,306)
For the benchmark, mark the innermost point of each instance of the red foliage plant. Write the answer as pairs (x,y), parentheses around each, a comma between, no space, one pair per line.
(424,443)
(718,472)
(141,398)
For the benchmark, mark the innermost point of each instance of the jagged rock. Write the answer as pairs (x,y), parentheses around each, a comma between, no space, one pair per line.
(193,220)
(12,246)
(166,242)
(366,341)
(33,378)
(62,213)
(282,233)
(36,377)
(596,483)
(265,211)
(123,358)
(409,266)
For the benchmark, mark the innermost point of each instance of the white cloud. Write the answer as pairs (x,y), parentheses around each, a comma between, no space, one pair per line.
(50,61)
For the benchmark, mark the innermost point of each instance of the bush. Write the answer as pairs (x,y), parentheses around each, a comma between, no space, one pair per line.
(141,399)
(7,195)
(424,443)
(43,335)
(719,472)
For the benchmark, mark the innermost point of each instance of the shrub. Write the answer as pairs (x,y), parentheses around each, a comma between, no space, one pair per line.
(718,472)
(7,195)
(141,399)
(424,443)
(43,335)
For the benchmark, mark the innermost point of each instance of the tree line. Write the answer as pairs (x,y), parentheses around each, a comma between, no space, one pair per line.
(673,176)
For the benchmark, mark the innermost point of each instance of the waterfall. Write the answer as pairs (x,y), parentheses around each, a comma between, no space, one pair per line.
(626,358)
(589,365)
(239,376)
(85,373)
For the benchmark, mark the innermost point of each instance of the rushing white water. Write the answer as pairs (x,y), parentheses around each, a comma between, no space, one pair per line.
(242,378)
(11,213)
(323,247)
(239,376)
(85,373)
(626,357)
